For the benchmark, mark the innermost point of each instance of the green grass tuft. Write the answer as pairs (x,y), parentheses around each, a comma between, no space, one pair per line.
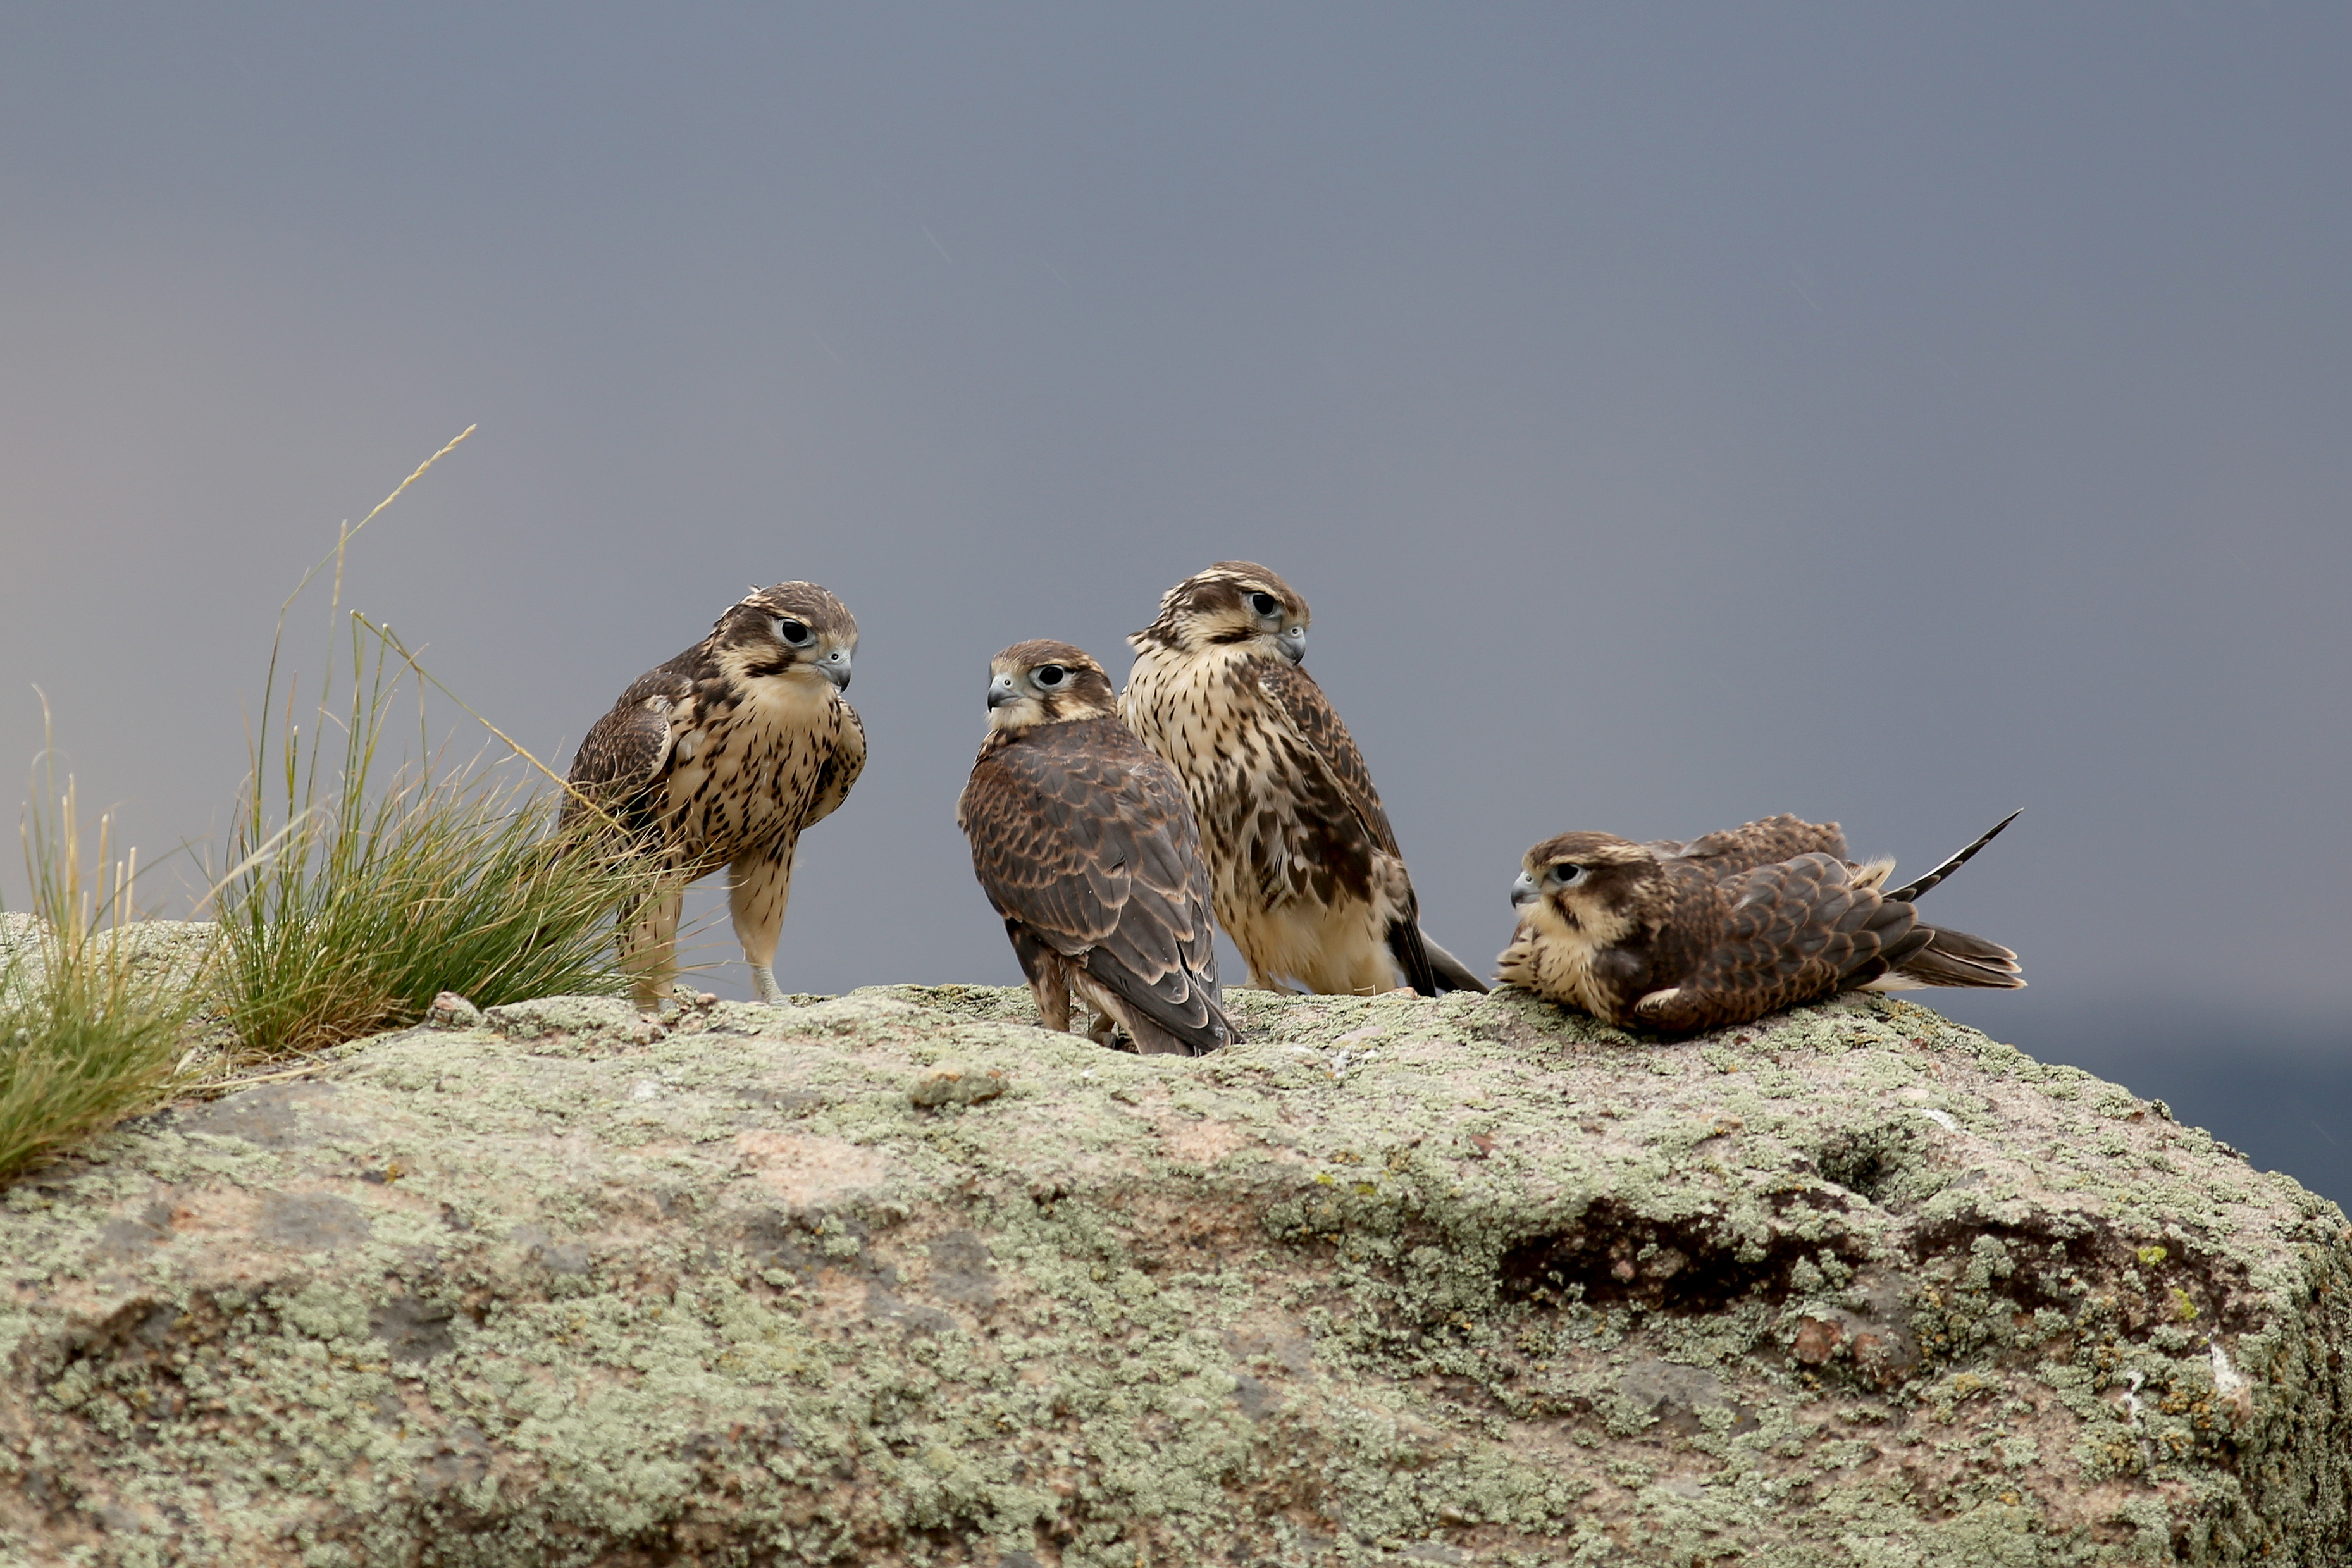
(361,888)
(88,1033)
(351,914)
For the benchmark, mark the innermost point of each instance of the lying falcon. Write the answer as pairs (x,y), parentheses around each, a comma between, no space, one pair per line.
(1724,929)
(721,758)
(1307,876)
(1083,841)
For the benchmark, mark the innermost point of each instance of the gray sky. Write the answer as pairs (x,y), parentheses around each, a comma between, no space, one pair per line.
(1675,414)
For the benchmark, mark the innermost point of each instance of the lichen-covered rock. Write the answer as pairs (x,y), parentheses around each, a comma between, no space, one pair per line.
(898,1277)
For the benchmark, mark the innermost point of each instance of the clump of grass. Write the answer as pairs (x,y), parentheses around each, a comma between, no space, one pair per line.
(361,886)
(353,913)
(88,1034)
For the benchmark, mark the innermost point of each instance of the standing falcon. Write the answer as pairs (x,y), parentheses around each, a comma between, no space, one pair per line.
(720,758)
(1307,876)
(1728,927)
(1083,841)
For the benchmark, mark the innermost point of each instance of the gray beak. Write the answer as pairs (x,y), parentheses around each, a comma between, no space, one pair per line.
(999,692)
(1524,891)
(834,667)
(1293,645)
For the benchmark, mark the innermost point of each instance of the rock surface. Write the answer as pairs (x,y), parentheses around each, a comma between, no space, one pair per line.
(898,1277)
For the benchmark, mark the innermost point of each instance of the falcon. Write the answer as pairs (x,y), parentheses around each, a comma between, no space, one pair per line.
(1679,936)
(1304,866)
(722,757)
(1084,843)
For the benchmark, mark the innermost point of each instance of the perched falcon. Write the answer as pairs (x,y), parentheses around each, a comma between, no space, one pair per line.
(1307,876)
(1725,928)
(1083,841)
(720,758)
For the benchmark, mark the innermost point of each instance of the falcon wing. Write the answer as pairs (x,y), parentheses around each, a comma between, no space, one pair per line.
(1734,851)
(1793,933)
(1089,846)
(838,771)
(626,751)
(1343,791)
(1315,722)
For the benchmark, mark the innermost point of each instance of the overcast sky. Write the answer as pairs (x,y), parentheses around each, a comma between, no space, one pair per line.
(1675,414)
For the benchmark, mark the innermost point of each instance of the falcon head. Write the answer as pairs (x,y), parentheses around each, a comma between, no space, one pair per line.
(1232,601)
(1596,886)
(793,631)
(1042,682)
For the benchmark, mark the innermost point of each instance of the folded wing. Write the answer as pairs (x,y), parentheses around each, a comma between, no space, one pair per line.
(1089,847)
(1793,932)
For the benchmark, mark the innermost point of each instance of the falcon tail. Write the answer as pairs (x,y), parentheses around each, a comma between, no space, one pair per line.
(1956,958)
(1453,974)
(1428,968)
(1910,892)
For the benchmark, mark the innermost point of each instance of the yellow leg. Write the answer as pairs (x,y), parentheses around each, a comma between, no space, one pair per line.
(758,888)
(649,947)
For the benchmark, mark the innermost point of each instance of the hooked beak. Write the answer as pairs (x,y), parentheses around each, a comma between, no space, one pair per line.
(999,692)
(834,667)
(1293,645)
(1524,891)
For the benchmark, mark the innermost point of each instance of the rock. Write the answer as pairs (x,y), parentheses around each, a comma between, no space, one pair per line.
(898,1277)
(451,1011)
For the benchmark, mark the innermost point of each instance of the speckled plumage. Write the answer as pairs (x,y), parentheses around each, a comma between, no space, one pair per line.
(722,757)
(1084,844)
(1728,927)
(1305,868)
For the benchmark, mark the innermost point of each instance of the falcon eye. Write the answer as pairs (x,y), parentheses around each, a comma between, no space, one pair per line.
(1050,674)
(795,633)
(1566,873)
(1265,603)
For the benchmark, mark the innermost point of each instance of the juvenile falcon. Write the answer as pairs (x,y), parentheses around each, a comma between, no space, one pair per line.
(1083,841)
(1725,928)
(1306,871)
(722,757)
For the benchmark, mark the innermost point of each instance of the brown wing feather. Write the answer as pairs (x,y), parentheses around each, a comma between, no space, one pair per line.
(1730,851)
(839,771)
(1792,932)
(1347,795)
(625,751)
(1316,723)
(1083,839)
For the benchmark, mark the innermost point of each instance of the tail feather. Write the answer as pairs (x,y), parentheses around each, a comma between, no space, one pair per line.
(1428,968)
(1452,973)
(1411,950)
(1910,892)
(1956,958)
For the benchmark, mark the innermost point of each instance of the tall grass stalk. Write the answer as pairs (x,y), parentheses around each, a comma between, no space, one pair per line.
(362,884)
(88,1034)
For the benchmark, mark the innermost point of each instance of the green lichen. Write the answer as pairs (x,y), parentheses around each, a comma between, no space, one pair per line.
(900,1278)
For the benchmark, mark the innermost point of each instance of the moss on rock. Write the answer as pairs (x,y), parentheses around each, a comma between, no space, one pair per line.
(900,1278)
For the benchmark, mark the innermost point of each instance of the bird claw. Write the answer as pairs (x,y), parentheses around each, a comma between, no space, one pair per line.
(763,982)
